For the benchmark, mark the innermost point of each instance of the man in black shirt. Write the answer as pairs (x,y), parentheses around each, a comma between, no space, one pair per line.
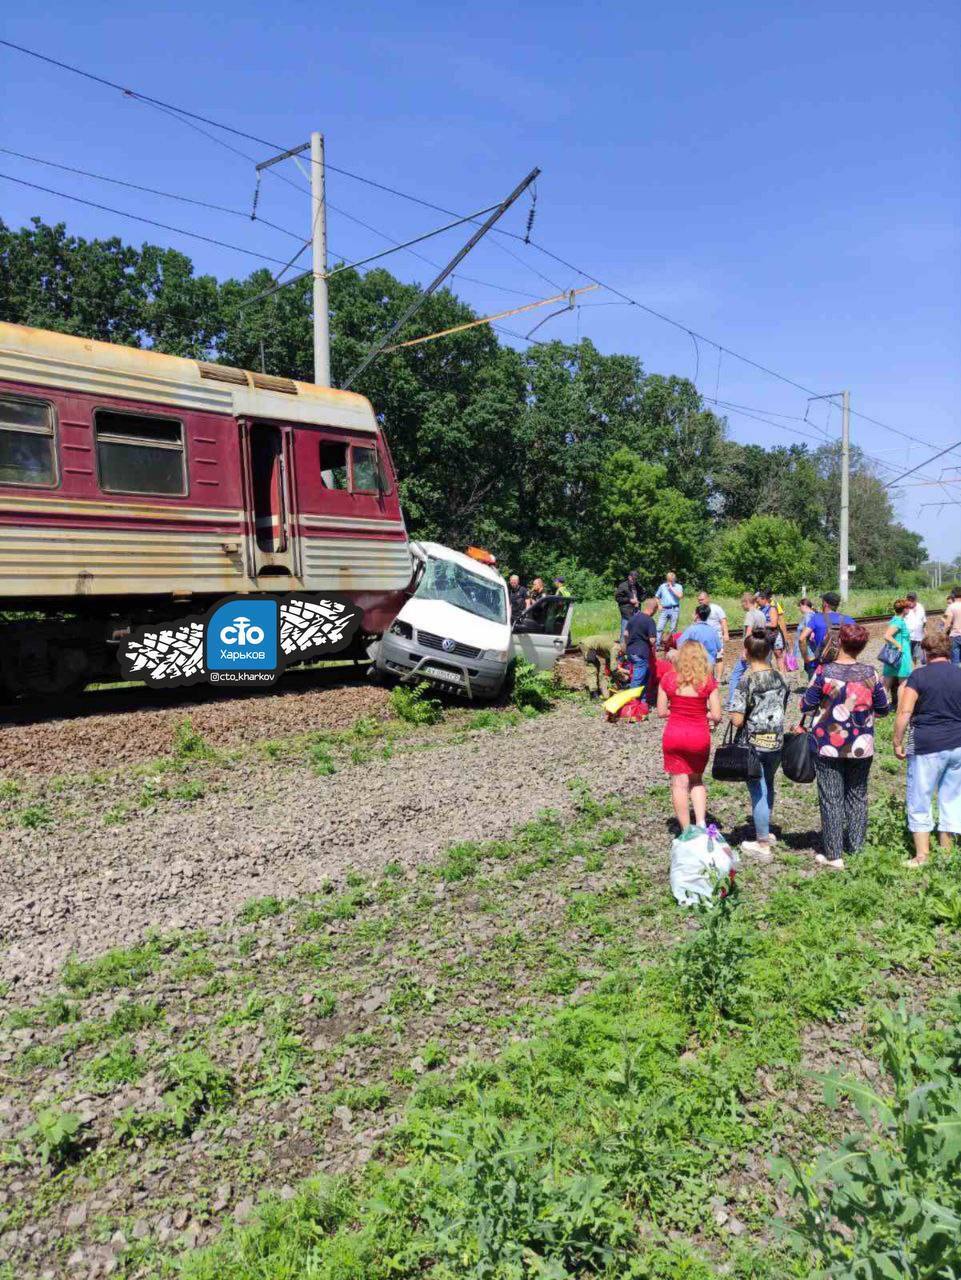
(628,599)
(639,637)
(517,595)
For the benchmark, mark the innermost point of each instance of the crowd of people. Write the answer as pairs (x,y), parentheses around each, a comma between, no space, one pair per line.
(841,695)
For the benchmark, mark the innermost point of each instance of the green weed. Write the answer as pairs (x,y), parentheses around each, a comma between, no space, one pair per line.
(35,815)
(255,909)
(531,690)
(119,1065)
(887,1202)
(189,745)
(414,705)
(321,760)
(460,862)
(710,965)
(121,967)
(57,1135)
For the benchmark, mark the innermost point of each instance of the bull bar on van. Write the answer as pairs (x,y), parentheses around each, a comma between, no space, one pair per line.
(459,668)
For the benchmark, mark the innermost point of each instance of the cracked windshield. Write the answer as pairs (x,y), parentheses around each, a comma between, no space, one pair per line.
(446,581)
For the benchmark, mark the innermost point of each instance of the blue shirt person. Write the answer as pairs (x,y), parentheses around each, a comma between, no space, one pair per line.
(704,634)
(818,626)
(669,596)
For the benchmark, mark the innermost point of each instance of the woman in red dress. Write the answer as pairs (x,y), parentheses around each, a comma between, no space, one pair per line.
(689,701)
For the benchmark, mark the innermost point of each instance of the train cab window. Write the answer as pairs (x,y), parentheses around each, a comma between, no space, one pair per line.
(365,477)
(26,443)
(140,454)
(333,464)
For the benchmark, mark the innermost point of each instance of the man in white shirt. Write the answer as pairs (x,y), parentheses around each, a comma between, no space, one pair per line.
(717,619)
(916,619)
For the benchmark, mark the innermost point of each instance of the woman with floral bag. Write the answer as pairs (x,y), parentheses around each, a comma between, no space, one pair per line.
(845,696)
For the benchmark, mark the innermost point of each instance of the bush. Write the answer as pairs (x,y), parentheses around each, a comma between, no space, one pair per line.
(414,705)
(582,583)
(762,551)
(531,690)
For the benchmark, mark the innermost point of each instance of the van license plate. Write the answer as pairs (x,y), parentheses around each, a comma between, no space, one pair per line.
(436,673)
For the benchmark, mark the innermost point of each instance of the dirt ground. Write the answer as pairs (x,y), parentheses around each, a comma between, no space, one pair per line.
(306,934)
(78,886)
(266,827)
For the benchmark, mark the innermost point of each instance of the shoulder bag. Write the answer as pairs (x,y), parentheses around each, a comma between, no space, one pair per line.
(734,760)
(890,654)
(797,755)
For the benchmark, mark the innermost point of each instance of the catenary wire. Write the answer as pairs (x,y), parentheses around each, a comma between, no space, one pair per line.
(137,217)
(153,191)
(197,116)
(332,208)
(193,117)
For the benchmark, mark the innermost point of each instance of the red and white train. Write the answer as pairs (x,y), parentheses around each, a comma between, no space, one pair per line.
(137,487)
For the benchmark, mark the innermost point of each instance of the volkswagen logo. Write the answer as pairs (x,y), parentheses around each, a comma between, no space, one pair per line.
(447,645)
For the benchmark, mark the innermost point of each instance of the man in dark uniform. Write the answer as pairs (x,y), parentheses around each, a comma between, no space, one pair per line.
(517,595)
(628,599)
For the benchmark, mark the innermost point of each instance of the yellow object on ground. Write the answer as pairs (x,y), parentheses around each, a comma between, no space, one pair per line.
(619,699)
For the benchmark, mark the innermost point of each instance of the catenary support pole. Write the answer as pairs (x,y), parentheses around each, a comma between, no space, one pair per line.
(318,237)
(438,280)
(845,493)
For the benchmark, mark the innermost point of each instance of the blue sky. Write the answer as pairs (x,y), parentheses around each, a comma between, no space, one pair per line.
(786,180)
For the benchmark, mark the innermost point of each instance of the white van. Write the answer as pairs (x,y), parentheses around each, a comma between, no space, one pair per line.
(456,630)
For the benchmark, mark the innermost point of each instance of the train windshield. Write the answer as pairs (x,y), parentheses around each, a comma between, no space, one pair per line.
(444,580)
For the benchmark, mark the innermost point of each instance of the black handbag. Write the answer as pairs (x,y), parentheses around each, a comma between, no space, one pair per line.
(735,761)
(797,755)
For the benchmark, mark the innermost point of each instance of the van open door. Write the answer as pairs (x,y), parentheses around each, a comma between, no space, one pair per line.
(542,634)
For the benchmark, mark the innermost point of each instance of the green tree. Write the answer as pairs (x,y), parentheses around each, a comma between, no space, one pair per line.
(680,433)
(642,522)
(880,547)
(750,480)
(765,551)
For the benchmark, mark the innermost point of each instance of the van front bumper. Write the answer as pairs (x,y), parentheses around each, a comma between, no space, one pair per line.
(411,662)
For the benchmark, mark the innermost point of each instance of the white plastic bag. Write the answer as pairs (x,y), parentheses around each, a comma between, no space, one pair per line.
(699,858)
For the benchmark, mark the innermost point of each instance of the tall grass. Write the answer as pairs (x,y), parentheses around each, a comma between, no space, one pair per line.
(600,617)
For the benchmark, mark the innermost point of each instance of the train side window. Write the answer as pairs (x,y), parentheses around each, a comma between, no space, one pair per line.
(333,464)
(140,454)
(365,477)
(27,443)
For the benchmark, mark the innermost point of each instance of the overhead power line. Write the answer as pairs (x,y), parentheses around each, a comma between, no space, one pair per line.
(195,116)
(153,191)
(933,458)
(151,222)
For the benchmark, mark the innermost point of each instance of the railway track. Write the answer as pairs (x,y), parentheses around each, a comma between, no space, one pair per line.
(109,700)
(865,620)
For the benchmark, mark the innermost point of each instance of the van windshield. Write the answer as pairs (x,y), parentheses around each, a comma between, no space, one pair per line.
(444,580)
